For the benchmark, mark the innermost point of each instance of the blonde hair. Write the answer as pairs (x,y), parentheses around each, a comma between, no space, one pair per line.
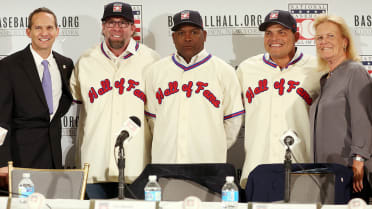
(350,51)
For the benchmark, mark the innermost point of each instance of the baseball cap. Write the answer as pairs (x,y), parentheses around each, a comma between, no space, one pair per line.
(118,9)
(187,17)
(281,17)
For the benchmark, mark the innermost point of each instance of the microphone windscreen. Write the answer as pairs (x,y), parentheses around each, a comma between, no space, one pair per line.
(136,120)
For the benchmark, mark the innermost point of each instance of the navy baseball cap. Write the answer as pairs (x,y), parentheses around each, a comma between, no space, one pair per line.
(118,9)
(281,17)
(187,17)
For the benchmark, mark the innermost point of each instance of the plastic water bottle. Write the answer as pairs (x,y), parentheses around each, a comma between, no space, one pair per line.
(25,186)
(152,189)
(230,193)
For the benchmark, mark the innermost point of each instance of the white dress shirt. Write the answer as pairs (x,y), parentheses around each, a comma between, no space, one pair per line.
(55,75)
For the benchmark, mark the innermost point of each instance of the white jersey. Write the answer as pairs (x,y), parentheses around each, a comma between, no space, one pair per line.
(276,100)
(111,90)
(193,109)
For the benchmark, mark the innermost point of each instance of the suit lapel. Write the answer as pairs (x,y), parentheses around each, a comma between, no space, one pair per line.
(62,66)
(30,68)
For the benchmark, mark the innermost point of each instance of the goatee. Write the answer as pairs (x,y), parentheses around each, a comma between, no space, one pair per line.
(116,44)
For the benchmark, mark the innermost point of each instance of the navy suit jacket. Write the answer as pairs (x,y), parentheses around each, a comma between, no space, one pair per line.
(33,140)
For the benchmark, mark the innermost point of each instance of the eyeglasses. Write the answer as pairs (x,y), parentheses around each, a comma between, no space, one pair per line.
(326,37)
(120,24)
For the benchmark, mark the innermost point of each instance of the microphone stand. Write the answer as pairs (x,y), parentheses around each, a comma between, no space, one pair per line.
(121,166)
(287,178)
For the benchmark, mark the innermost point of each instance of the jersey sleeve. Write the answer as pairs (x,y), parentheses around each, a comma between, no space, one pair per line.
(150,105)
(75,85)
(233,107)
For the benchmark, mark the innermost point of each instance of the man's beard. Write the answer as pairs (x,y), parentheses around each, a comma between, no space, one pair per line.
(116,44)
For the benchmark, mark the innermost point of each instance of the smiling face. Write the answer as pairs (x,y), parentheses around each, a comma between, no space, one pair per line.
(117,33)
(330,43)
(280,42)
(43,33)
(189,41)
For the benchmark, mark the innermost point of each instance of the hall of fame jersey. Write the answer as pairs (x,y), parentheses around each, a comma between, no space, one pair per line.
(188,108)
(110,92)
(275,101)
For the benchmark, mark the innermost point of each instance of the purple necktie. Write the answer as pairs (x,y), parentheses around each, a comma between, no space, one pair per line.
(46,82)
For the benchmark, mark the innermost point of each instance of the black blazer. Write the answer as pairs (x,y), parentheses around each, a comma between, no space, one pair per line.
(33,140)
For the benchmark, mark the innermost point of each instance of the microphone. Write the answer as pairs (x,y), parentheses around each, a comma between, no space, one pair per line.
(289,139)
(130,129)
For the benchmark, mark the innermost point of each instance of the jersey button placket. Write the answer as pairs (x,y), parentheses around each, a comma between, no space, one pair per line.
(183,136)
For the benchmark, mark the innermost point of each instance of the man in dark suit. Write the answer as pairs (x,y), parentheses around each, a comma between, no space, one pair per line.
(34,95)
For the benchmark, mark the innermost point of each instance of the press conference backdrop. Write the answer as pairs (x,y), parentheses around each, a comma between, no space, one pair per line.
(232,28)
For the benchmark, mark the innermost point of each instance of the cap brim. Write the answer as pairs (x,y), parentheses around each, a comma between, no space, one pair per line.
(264,25)
(175,27)
(104,18)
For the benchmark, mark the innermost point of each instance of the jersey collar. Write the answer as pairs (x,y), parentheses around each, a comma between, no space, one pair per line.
(296,58)
(131,50)
(197,60)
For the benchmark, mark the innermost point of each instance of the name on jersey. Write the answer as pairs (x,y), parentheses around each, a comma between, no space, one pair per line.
(291,86)
(200,88)
(121,86)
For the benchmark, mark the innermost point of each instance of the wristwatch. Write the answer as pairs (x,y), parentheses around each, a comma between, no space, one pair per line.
(358,158)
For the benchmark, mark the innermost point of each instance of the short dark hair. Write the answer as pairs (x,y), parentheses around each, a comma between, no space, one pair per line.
(38,10)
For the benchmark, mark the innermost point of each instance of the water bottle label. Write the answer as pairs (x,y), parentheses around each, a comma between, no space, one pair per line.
(25,191)
(230,196)
(153,195)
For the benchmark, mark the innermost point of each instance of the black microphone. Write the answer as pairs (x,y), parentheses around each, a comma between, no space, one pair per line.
(130,128)
(288,141)
(121,138)
(289,138)
(136,120)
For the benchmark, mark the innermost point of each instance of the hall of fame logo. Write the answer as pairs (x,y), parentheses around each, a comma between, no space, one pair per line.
(137,13)
(305,15)
(366,60)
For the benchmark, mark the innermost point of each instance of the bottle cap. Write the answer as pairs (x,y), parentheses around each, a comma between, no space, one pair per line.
(152,178)
(229,178)
(26,175)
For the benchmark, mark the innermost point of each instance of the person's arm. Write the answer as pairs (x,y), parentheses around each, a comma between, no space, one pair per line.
(233,107)
(6,107)
(150,105)
(3,177)
(360,106)
(232,127)
(358,170)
